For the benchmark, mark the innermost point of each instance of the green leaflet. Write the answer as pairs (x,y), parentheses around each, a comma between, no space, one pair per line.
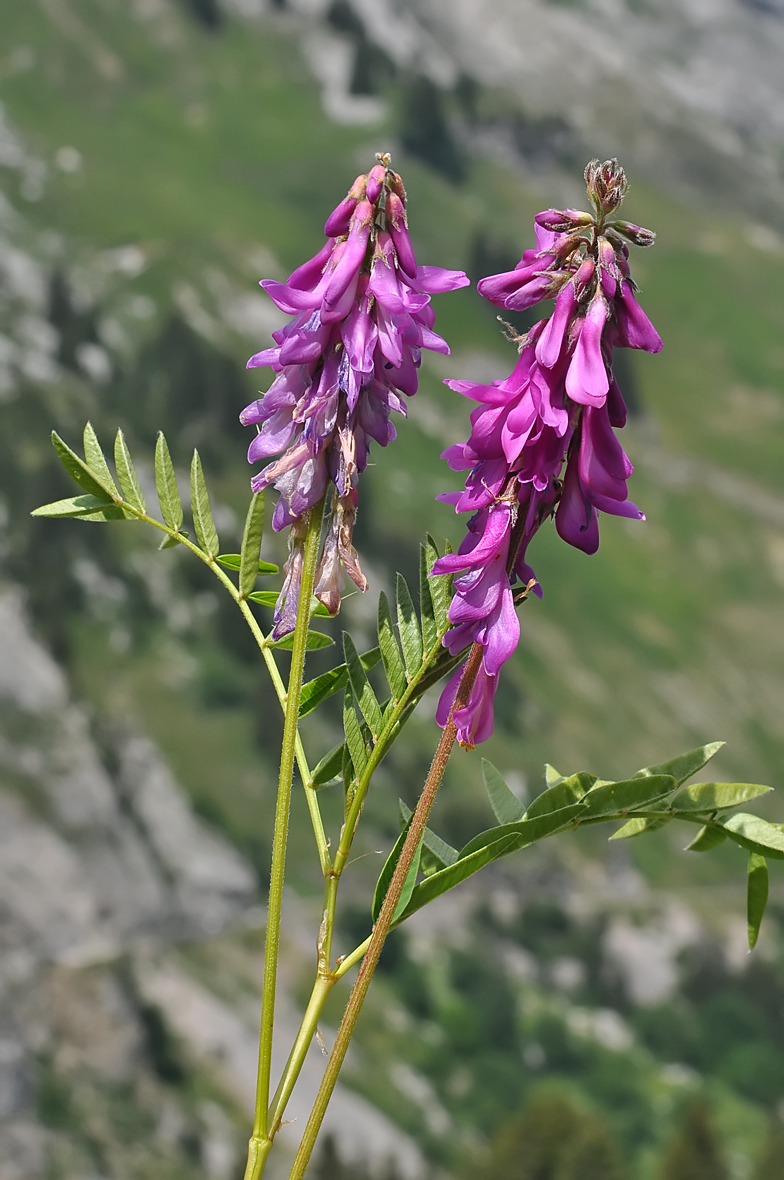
(551,776)
(527,830)
(755,834)
(756,896)
(408,626)
(329,767)
(685,765)
(263,597)
(202,513)
(316,639)
(706,839)
(166,485)
(608,798)
(507,808)
(390,651)
(233,561)
(716,796)
(175,539)
(361,688)
(317,690)
(79,471)
(426,608)
(441,852)
(439,883)
(440,589)
(560,794)
(126,475)
(96,460)
(76,506)
(487,847)
(640,824)
(355,742)
(382,885)
(251,544)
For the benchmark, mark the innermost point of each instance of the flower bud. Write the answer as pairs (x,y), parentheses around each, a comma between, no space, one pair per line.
(562,221)
(607,185)
(635,233)
(375,182)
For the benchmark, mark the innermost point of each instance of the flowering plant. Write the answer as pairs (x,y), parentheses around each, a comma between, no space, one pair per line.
(542,446)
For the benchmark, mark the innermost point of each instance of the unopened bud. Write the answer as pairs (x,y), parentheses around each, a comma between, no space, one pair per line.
(396,185)
(635,233)
(562,221)
(363,215)
(607,185)
(375,182)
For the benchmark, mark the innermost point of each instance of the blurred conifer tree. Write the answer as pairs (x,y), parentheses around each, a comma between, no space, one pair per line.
(770,1165)
(694,1153)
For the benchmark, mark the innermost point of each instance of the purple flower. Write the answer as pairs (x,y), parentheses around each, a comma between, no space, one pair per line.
(362,316)
(542,442)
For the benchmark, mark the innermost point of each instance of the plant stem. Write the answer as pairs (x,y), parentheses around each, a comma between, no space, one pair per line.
(260,1140)
(321,989)
(384,922)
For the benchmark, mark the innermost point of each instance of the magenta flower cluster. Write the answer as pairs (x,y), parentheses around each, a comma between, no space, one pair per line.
(362,315)
(559,406)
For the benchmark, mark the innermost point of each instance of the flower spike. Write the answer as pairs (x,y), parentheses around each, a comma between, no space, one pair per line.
(558,406)
(362,316)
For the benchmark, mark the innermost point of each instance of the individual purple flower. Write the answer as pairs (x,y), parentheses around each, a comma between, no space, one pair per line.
(362,316)
(559,406)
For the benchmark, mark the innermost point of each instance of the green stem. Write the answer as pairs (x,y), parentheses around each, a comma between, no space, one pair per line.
(321,989)
(384,922)
(260,1137)
(326,977)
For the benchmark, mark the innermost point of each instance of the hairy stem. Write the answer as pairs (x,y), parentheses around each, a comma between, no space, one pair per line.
(260,1137)
(385,918)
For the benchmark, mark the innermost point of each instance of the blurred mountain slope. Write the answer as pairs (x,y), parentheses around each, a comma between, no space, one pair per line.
(688,91)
